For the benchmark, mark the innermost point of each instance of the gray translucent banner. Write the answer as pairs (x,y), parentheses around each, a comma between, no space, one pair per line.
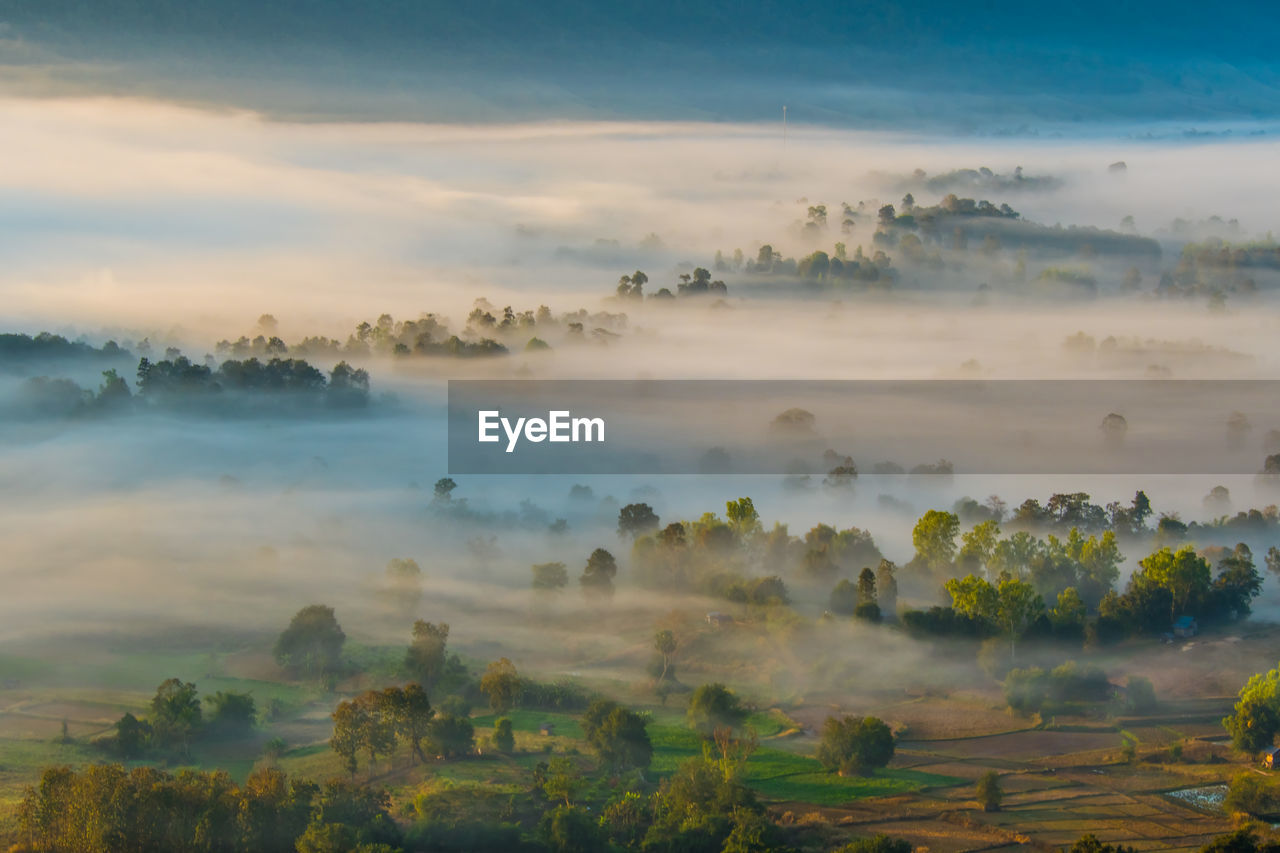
(832,428)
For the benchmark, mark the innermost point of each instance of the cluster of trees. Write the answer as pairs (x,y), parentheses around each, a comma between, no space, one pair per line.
(835,268)
(177,720)
(959,222)
(177,379)
(1214,267)
(703,807)
(1089,565)
(179,382)
(376,721)
(596,579)
(1167,586)
(1170,584)
(982,178)
(1035,690)
(736,558)
(696,283)
(504,689)
(1004,583)
(45,397)
(488,331)
(104,808)
(862,600)
(18,350)
(1060,513)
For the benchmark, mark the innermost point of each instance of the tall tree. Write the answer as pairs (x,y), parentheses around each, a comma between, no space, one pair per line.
(636,519)
(934,538)
(312,644)
(426,656)
(597,577)
(501,683)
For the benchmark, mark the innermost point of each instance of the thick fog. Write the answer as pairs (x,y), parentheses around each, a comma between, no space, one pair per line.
(132,219)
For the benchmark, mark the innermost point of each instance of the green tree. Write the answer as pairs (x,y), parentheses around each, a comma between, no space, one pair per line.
(988,791)
(1255,720)
(978,546)
(1018,607)
(866,587)
(714,706)
(232,715)
(868,611)
(427,654)
(934,538)
(844,598)
(348,725)
(312,644)
(451,735)
(1068,614)
(443,489)
(1140,695)
(887,588)
(175,714)
(1252,794)
(504,736)
(501,684)
(1236,585)
(131,736)
(636,519)
(742,516)
(618,735)
(561,780)
(664,642)
(974,597)
(597,577)
(411,714)
(572,829)
(752,832)
(1184,573)
(852,745)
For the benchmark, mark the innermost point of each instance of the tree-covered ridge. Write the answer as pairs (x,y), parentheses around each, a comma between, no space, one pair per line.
(232,387)
(955,233)
(981,179)
(488,331)
(1215,267)
(17,350)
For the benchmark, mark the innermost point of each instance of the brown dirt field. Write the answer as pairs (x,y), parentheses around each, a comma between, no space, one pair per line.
(1023,746)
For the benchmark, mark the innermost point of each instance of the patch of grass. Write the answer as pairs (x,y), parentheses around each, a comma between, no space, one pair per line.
(783,775)
(566,725)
